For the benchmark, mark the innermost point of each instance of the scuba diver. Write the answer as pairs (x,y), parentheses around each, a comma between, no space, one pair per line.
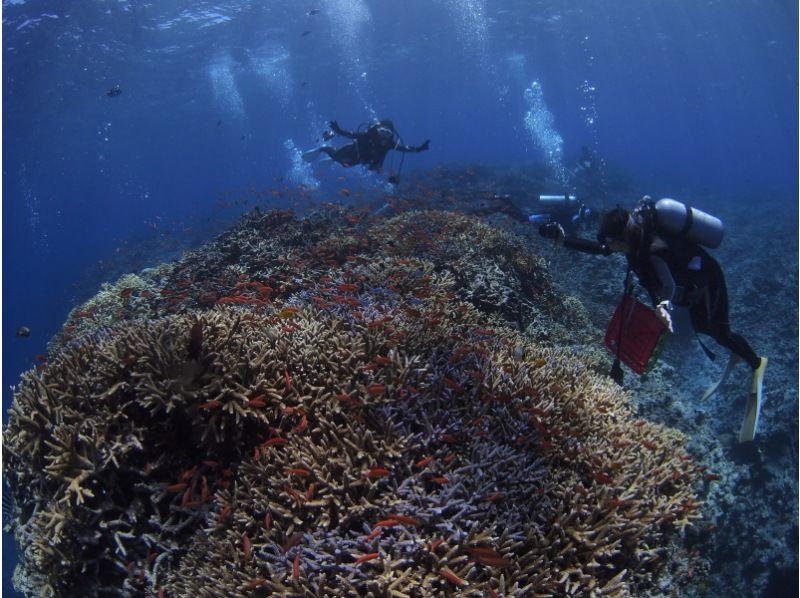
(587,176)
(369,147)
(564,209)
(662,243)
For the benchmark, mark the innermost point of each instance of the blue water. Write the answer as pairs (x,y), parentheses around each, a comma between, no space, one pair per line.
(679,95)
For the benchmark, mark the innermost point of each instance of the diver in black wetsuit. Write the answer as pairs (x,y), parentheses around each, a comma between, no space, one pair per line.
(588,177)
(368,148)
(563,209)
(674,270)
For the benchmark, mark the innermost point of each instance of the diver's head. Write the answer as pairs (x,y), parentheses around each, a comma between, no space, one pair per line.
(613,226)
(387,124)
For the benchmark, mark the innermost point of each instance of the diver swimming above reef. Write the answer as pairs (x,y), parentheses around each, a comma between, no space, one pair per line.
(662,241)
(369,147)
(564,209)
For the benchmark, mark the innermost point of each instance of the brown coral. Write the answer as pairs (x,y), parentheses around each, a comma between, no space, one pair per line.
(365,433)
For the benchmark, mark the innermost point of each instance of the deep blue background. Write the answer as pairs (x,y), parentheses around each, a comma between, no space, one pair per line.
(687,96)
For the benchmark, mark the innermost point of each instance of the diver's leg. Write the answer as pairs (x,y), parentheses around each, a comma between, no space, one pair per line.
(699,314)
(714,322)
(347,155)
(313,154)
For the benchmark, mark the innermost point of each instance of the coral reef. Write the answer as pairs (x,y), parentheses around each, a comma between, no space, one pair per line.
(338,406)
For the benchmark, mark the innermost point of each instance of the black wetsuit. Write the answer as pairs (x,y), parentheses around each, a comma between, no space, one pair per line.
(369,148)
(680,271)
(569,214)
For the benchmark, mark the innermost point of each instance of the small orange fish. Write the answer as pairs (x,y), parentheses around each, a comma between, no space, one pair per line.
(377,472)
(188,473)
(452,577)
(298,471)
(247,546)
(275,441)
(301,426)
(223,514)
(213,404)
(296,566)
(287,379)
(487,556)
(423,462)
(367,557)
(405,519)
(494,497)
(291,542)
(601,477)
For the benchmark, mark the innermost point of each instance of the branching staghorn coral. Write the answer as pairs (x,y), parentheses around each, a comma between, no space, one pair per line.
(271,256)
(366,433)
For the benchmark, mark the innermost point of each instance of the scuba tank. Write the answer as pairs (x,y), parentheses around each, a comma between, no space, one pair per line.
(565,198)
(553,204)
(675,218)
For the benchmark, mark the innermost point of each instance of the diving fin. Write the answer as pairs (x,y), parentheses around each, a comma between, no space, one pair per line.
(753,409)
(312,154)
(728,369)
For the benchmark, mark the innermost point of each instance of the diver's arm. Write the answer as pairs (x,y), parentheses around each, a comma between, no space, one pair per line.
(555,231)
(667,290)
(340,131)
(665,293)
(586,246)
(413,148)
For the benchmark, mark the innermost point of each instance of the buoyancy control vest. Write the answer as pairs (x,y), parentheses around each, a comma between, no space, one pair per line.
(674,218)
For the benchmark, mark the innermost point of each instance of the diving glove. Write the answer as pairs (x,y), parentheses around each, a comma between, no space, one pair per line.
(662,311)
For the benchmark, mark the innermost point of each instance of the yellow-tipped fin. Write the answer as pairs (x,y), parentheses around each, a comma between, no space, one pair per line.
(714,387)
(753,408)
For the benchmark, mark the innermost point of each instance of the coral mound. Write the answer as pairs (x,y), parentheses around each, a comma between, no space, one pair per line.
(361,432)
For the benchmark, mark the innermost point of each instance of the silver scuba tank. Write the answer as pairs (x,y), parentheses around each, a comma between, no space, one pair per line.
(549,204)
(677,218)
